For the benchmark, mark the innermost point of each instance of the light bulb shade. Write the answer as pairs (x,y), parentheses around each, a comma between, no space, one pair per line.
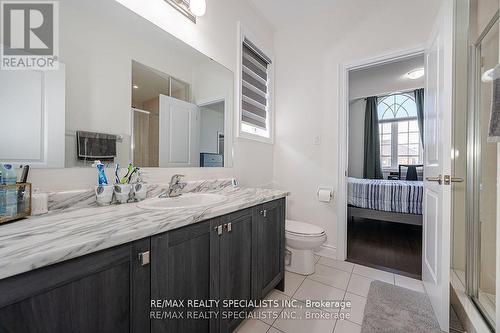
(198,7)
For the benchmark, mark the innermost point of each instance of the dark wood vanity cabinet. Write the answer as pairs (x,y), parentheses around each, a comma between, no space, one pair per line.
(103,292)
(238,256)
(271,246)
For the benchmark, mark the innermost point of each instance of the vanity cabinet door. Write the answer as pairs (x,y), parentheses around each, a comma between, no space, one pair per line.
(238,263)
(103,292)
(271,245)
(180,270)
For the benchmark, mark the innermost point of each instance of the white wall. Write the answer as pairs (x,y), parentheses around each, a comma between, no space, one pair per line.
(215,35)
(356,137)
(307,97)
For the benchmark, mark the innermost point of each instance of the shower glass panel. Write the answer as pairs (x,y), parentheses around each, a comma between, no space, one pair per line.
(483,215)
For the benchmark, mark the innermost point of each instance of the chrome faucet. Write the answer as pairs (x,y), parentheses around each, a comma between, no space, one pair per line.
(174,187)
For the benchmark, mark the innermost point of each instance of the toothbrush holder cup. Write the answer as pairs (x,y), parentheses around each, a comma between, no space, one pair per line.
(122,192)
(104,194)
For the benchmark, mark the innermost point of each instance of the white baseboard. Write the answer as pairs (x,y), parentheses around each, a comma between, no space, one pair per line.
(328,251)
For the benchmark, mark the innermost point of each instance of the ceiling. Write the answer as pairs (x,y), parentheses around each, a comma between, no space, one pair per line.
(285,13)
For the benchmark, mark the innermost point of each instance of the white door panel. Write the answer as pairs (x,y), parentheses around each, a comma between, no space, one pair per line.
(437,163)
(179,133)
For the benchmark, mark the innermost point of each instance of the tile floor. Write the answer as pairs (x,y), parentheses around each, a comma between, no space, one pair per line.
(333,280)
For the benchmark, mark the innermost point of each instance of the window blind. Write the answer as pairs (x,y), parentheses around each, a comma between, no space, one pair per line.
(254,86)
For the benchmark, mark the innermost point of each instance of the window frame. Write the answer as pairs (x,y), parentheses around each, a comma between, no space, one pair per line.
(257,134)
(395,138)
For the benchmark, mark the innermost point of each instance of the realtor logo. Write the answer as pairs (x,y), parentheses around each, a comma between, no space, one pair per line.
(29,35)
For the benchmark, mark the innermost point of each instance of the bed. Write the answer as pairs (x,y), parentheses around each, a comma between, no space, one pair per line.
(387,200)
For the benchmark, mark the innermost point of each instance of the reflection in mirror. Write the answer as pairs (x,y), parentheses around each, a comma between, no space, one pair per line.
(126,91)
(169,130)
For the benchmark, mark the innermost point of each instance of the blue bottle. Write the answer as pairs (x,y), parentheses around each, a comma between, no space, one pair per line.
(9,177)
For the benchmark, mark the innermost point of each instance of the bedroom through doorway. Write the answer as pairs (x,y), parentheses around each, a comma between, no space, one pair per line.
(385,165)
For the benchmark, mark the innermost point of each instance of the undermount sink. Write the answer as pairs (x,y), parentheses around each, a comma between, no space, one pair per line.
(188,200)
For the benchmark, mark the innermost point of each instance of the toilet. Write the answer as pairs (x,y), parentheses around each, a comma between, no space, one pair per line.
(301,238)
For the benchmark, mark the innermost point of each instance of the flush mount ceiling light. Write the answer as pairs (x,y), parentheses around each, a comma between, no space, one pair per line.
(135,86)
(189,8)
(415,74)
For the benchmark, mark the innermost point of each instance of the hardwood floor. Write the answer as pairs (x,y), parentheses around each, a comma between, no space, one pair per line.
(388,246)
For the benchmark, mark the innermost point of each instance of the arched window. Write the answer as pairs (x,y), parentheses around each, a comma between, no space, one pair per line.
(400,141)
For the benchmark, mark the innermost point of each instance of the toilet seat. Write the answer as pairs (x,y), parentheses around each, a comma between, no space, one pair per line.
(302,229)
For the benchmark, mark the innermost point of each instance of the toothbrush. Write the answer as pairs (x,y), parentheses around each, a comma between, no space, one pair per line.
(117,170)
(131,174)
(129,170)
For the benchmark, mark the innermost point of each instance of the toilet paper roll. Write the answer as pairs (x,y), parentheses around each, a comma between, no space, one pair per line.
(324,195)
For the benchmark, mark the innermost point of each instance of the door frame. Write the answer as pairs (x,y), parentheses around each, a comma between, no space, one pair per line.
(343,130)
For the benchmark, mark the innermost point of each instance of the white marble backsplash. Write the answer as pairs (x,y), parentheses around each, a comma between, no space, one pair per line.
(65,200)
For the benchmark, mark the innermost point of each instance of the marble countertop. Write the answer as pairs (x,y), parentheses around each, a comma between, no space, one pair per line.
(61,235)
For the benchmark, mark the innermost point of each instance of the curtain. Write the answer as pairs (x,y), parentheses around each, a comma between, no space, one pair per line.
(371,166)
(419,100)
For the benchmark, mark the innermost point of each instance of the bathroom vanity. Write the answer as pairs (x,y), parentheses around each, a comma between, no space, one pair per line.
(231,251)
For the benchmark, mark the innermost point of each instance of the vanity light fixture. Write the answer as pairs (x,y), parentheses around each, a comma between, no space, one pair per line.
(198,7)
(189,8)
(415,74)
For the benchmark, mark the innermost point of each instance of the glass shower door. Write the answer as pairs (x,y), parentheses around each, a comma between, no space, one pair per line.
(483,216)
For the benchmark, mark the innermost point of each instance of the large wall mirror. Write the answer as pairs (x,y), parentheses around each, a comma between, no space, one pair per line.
(126,91)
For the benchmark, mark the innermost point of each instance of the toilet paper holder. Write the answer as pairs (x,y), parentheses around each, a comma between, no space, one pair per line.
(325,188)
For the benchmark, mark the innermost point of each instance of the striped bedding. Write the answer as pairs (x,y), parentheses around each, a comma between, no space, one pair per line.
(398,196)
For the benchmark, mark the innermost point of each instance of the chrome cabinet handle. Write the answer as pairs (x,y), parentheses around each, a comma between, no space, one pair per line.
(144,258)
(263,212)
(228,226)
(438,179)
(219,230)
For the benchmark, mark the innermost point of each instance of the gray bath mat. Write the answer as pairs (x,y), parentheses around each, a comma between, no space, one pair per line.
(392,309)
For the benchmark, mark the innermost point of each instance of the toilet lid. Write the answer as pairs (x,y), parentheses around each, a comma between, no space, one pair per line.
(301,228)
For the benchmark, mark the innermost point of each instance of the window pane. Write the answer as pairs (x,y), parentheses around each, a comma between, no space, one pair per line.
(403,150)
(386,161)
(413,126)
(386,128)
(386,150)
(413,149)
(402,126)
(414,138)
(386,139)
(414,160)
(403,160)
(402,138)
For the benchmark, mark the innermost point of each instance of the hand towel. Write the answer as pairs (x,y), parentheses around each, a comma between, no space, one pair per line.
(494,132)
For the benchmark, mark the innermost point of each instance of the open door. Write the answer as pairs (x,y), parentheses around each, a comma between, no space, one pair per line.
(179,133)
(437,164)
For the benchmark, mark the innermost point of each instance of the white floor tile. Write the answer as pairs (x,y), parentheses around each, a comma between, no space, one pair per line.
(312,290)
(374,274)
(345,326)
(252,326)
(409,283)
(269,315)
(274,330)
(357,308)
(339,264)
(296,321)
(359,285)
(331,276)
(292,282)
